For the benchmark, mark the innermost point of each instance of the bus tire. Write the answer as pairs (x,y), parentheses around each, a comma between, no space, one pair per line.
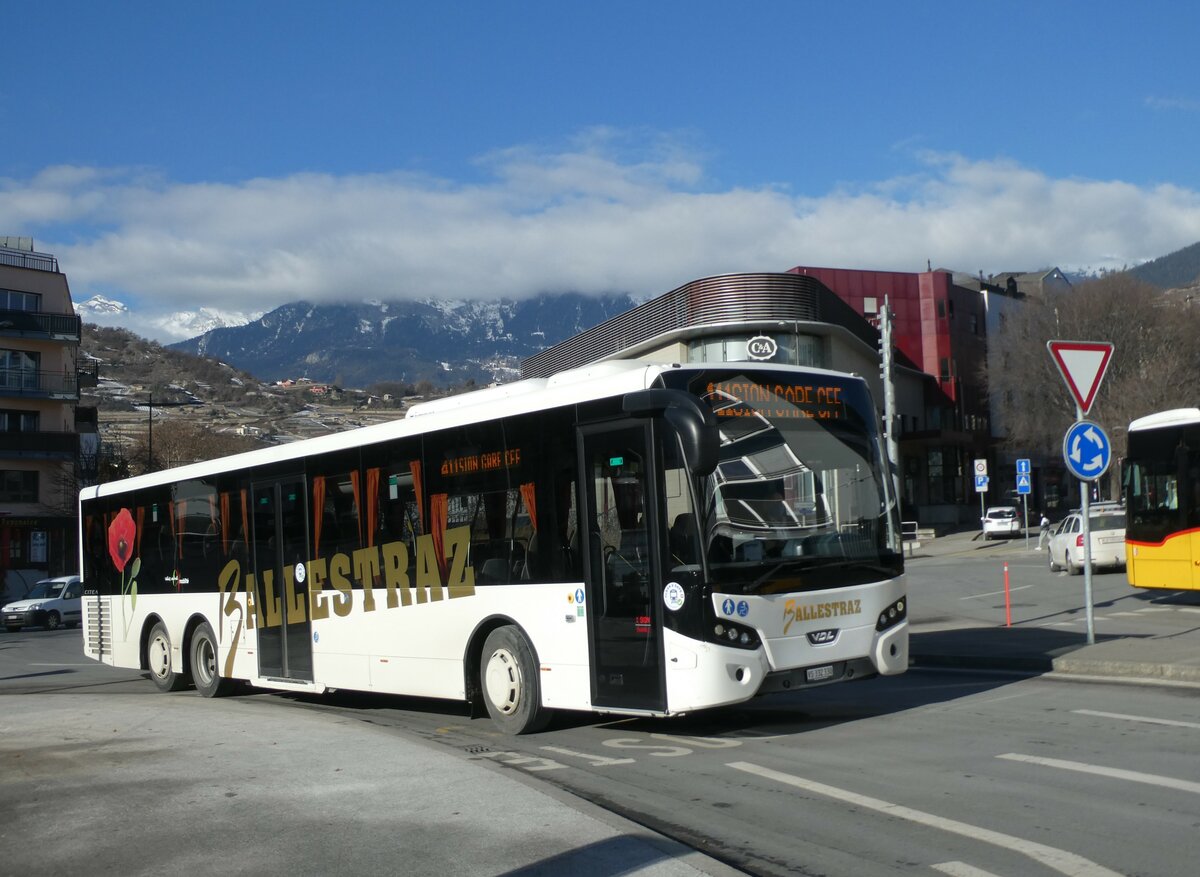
(508,677)
(206,669)
(158,660)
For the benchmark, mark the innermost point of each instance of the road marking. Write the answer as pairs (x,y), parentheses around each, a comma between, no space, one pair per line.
(1147,719)
(595,760)
(520,759)
(1132,776)
(961,869)
(993,593)
(1058,860)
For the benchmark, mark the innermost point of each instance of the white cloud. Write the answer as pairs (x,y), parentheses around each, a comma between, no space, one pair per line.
(595,217)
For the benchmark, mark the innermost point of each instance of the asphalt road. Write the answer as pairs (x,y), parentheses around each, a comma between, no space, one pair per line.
(936,771)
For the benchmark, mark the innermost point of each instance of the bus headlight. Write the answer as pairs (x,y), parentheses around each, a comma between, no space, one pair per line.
(892,615)
(730,633)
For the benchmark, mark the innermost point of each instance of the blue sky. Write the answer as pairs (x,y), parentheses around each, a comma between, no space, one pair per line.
(240,155)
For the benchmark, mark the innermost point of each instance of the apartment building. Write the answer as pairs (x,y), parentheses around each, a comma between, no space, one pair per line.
(39,437)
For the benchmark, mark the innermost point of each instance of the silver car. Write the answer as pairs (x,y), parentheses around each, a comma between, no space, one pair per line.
(1107,528)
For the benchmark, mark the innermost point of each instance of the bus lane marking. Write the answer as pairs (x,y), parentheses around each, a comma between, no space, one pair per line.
(1058,860)
(1174,723)
(1132,776)
(594,760)
(521,760)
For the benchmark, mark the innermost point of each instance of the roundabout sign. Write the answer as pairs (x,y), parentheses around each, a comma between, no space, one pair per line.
(1086,450)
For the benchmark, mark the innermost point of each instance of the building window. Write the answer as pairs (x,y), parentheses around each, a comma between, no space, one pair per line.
(12,300)
(18,485)
(19,369)
(944,367)
(941,309)
(18,421)
(807,350)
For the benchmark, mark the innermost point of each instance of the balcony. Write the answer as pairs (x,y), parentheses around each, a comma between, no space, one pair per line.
(28,259)
(39,445)
(30,384)
(29,324)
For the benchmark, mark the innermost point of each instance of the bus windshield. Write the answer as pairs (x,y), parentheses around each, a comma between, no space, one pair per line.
(800,499)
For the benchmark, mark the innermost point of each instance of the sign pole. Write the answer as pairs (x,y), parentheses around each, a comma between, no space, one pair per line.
(1082,365)
(1085,497)
(1025,503)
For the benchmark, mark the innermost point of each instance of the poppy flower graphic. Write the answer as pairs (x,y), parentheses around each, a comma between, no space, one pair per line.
(120,539)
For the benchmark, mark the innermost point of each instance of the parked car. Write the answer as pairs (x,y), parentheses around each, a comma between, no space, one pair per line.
(50,604)
(1107,529)
(1001,520)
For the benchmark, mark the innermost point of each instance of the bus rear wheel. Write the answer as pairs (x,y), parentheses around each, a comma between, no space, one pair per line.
(206,673)
(158,660)
(509,679)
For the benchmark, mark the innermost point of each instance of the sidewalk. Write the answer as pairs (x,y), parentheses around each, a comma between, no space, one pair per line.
(1172,658)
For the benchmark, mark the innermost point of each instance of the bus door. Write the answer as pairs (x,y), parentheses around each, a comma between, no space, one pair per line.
(622,567)
(280,542)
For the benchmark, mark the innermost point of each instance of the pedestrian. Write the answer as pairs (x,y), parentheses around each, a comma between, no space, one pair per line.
(1044,533)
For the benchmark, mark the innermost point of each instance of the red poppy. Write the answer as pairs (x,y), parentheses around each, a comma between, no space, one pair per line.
(120,539)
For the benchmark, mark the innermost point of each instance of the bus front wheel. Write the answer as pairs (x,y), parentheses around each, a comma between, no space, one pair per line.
(206,673)
(510,683)
(158,660)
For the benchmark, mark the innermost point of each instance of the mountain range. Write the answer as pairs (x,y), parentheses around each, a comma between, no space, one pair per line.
(358,344)
(446,342)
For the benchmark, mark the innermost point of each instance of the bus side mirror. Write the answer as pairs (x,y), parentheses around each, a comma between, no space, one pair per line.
(691,418)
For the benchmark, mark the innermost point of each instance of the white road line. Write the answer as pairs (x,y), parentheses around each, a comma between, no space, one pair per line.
(1147,719)
(961,869)
(1190,609)
(994,593)
(1058,860)
(1132,776)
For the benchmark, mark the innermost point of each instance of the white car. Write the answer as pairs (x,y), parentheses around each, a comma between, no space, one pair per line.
(1107,528)
(1001,520)
(51,604)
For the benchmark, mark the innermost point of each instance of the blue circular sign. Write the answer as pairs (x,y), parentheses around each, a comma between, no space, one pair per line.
(1086,450)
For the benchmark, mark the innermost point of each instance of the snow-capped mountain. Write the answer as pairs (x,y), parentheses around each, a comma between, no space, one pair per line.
(98,307)
(447,342)
(177,326)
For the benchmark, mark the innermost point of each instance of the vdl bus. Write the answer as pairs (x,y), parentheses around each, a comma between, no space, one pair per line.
(626,538)
(1162,498)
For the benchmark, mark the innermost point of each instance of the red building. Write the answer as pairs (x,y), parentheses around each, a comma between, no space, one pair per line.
(941,326)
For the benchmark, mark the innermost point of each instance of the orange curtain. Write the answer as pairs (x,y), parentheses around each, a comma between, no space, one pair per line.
(318,512)
(372,505)
(358,515)
(225,523)
(415,468)
(439,513)
(246,518)
(530,499)
(171,518)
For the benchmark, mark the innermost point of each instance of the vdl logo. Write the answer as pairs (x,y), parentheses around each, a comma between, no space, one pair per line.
(762,347)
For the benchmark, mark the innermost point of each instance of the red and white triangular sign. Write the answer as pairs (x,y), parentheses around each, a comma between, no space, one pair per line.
(1082,364)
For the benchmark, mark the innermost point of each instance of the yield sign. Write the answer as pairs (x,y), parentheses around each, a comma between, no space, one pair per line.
(1082,365)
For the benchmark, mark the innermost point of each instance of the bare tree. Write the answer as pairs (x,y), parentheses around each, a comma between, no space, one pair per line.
(176,443)
(1156,359)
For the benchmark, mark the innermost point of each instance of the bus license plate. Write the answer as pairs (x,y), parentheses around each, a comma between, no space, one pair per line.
(819,674)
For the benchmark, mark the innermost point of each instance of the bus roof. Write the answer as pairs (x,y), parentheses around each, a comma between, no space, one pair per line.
(1175,417)
(595,381)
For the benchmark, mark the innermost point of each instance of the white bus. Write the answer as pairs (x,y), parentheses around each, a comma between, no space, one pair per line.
(627,538)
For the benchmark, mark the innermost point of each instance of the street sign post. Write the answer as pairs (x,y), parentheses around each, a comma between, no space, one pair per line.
(1086,448)
(1024,484)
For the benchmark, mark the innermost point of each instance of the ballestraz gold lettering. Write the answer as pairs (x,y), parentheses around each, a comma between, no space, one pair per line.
(793,611)
(373,577)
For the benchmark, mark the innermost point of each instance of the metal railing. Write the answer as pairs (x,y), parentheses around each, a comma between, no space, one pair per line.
(61,327)
(909,531)
(43,384)
(23,259)
(38,444)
